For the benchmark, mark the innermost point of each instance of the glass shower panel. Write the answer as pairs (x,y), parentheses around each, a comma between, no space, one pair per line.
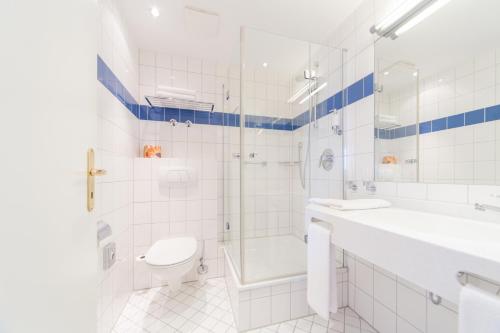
(317,145)
(269,64)
(285,84)
(231,137)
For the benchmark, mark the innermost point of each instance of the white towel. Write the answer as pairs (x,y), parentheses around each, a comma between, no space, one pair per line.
(321,271)
(478,311)
(356,204)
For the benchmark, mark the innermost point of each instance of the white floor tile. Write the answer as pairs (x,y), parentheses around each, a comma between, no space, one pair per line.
(206,309)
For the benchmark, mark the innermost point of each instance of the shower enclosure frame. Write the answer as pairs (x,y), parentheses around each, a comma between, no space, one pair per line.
(312,121)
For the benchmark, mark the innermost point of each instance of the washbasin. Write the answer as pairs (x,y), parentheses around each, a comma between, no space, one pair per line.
(438,246)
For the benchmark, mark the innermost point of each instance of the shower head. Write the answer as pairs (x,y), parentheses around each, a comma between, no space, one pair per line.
(310,74)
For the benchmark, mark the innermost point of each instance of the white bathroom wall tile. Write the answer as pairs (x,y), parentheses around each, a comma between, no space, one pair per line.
(195,82)
(209,209)
(142,213)
(179,79)
(412,190)
(386,188)
(163,60)
(484,132)
(384,320)
(260,292)
(280,307)
(447,193)
(147,58)
(178,210)
(260,312)
(142,169)
(385,290)
(210,228)
(163,78)
(142,235)
(147,76)
(411,306)
(194,65)
(179,63)
(484,194)
(280,289)
(160,212)
(244,315)
(364,277)
(298,285)
(364,305)
(441,319)
(404,327)
(298,304)
(159,231)
(142,191)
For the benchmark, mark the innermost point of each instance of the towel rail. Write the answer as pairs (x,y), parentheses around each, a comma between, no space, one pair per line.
(463,279)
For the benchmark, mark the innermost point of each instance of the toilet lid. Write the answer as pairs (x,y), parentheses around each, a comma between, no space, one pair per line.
(171,251)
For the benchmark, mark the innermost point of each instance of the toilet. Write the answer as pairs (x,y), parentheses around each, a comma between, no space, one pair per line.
(171,259)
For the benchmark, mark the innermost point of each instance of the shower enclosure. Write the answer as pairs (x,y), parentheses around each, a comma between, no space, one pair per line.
(285,146)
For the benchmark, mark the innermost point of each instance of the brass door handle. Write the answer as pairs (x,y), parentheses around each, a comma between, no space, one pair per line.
(91,174)
(97,172)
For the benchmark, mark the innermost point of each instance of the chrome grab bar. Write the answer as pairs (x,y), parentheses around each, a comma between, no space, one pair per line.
(263,163)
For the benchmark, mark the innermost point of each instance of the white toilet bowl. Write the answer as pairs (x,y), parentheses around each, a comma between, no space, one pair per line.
(170,259)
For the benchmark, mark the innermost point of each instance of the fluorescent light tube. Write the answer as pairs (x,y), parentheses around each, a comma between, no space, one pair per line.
(299,93)
(401,11)
(422,16)
(314,92)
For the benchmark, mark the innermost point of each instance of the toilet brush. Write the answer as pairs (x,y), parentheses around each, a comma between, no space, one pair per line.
(202,272)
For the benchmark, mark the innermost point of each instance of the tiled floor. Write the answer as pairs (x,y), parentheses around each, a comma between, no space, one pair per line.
(202,309)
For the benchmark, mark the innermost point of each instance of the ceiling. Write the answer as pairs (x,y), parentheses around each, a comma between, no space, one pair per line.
(180,31)
(458,32)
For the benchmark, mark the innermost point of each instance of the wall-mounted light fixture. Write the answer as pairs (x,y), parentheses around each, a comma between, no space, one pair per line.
(408,15)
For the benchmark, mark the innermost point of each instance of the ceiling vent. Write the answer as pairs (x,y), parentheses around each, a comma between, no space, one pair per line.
(201,23)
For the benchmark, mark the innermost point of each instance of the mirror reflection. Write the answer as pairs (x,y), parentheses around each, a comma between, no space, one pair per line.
(438,97)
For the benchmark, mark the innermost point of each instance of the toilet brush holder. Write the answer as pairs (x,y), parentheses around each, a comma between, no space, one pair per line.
(202,272)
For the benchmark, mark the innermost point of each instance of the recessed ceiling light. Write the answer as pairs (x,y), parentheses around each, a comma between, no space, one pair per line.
(155,11)
(386,73)
(264,65)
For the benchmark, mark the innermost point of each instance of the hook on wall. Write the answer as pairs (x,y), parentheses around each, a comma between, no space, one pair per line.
(173,122)
(189,123)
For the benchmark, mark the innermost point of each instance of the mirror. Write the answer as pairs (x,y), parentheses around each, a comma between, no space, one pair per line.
(437,97)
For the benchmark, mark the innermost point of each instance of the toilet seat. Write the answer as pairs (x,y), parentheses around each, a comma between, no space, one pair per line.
(171,252)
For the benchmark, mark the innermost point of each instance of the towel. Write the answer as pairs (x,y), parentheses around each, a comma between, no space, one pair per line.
(321,271)
(357,204)
(478,311)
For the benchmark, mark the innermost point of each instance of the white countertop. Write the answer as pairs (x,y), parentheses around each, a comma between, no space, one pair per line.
(427,249)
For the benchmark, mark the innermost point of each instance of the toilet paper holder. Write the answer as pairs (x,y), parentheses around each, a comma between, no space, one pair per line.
(106,244)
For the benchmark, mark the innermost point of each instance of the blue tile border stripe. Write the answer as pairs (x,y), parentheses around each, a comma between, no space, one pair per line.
(487,114)
(109,80)
(355,92)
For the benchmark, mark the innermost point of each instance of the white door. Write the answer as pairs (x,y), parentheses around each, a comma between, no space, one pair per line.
(48,121)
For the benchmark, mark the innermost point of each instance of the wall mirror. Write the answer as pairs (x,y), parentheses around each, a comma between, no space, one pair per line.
(437,94)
